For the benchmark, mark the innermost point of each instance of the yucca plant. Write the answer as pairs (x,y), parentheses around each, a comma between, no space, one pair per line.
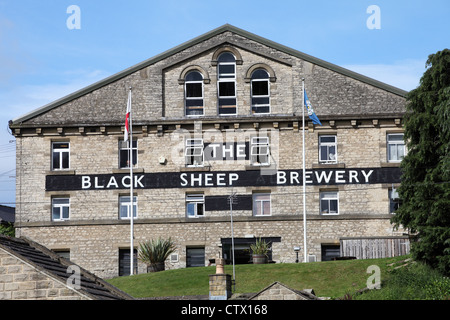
(260,251)
(155,252)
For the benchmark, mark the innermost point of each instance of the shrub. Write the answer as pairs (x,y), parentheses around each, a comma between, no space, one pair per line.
(155,252)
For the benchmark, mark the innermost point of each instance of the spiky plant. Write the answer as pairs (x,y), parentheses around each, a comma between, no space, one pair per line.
(260,247)
(152,252)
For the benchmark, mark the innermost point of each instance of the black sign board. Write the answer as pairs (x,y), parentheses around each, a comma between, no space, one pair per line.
(219,179)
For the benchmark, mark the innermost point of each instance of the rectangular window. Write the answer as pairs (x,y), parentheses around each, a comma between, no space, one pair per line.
(260,96)
(194,98)
(195,257)
(227,97)
(261,204)
(60,209)
(194,152)
(195,204)
(395,147)
(259,151)
(125,207)
(329,202)
(125,262)
(60,155)
(394,200)
(328,149)
(124,154)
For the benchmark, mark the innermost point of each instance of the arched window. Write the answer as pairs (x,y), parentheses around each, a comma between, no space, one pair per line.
(260,91)
(193,93)
(226,84)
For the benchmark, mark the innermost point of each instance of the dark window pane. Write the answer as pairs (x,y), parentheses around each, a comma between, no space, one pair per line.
(327,139)
(226,89)
(260,74)
(194,112)
(261,109)
(260,101)
(324,206)
(56,160)
(333,206)
(65,160)
(260,88)
(194,76)
(226,69)
(193,90)
(194,103)
(62,145)
(226,57)
(227,110)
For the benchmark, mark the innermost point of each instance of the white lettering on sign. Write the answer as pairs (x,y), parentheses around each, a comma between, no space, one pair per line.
(227,179)
(367,175)
(208,179)
(323,177)
(86,182)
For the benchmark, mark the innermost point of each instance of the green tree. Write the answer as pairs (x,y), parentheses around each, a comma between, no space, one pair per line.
(7,229)
(425,188)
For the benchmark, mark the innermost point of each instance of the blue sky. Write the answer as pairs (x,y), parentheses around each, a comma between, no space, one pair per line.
(41,59)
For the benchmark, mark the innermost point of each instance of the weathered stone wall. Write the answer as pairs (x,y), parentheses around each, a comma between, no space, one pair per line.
(359,114)
(96,247)
(21,281)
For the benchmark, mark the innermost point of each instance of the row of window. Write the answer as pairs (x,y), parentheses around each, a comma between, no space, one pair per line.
(259,151)
(226,89)
(195,205)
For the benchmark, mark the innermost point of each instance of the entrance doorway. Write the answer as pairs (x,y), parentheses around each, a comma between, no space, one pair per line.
(242,251)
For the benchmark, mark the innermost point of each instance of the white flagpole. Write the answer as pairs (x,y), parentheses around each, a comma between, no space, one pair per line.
(304,176)
(130,144)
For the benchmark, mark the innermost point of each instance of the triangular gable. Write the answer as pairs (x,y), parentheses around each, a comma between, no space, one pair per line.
(51,266)
(115,93)
(279,291)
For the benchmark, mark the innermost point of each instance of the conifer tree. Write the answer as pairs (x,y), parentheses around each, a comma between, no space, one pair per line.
(425,187)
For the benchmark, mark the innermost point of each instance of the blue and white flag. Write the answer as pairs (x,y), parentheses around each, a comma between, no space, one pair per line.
(310,110)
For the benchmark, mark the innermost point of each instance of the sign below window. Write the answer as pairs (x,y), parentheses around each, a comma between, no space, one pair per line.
(160,180)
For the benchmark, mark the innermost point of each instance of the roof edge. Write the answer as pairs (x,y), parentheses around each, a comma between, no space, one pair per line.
(194,41)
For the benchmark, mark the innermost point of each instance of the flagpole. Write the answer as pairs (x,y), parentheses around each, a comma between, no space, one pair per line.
(130,144)
(304,176)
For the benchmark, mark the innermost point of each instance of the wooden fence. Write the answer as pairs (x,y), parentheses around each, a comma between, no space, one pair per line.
(374,247)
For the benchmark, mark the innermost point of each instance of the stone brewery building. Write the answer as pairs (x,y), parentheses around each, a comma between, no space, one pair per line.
(215,116)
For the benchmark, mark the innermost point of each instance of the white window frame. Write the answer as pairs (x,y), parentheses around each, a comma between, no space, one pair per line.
(186,98)
(60,207)
(256,145)
(124,146)
(197,200)
(257,106)
(327,145)
(226,77)
(259,203)
(123,202)
(60,152)
(329,196)
(196,145)
(397,144)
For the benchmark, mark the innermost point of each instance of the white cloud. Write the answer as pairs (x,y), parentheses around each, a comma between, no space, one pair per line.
(403,74)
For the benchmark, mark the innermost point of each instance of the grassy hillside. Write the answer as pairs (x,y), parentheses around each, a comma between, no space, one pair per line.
(328,279)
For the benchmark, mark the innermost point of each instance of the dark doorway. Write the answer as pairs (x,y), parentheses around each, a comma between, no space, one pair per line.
(329,252)
(124,262)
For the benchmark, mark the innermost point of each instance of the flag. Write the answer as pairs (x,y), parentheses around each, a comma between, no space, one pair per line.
(127,118)
(310,110)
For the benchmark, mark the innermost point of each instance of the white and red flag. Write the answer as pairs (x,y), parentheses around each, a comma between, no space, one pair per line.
(127,118)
